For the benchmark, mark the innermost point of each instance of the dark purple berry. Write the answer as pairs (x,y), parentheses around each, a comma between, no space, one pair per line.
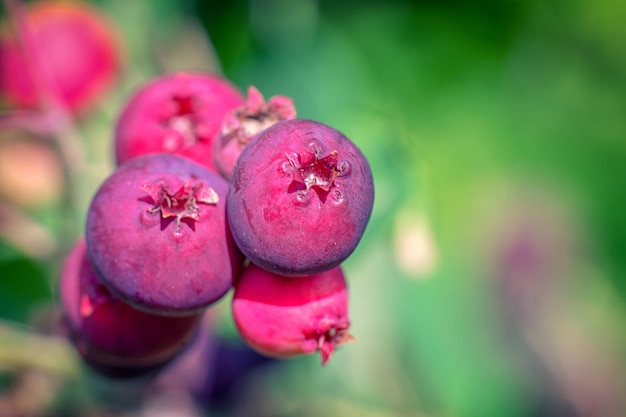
(110,335)
(300,197)
(157,235)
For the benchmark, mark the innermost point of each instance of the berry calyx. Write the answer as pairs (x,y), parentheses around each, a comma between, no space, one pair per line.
(243,123)
(182,122)
(283,317)
(329,334)
(309,170)
(181,205)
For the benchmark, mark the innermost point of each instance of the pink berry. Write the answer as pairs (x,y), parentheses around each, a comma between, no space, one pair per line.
(300,198)
(283,317)
(243,123)
(111,335)
(73,49)
(177,113)
(157,235)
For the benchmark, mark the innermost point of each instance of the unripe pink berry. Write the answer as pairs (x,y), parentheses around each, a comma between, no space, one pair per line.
(283,317)
(178,113)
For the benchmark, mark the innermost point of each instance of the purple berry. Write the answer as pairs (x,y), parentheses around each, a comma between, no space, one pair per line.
(157,235)
(300,198)
(110,335)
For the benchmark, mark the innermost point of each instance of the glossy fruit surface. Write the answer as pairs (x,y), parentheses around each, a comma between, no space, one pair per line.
(157,235)
(178,113)
(283,317)
(300,198)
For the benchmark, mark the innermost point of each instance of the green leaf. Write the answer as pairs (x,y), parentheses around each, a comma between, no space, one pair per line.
(23,284)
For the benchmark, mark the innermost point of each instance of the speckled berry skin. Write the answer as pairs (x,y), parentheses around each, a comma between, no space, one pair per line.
(300,197)
(179,113)
(157,235)
(283,317)
(110,335)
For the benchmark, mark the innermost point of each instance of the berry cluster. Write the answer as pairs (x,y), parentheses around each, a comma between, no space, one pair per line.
(213,191)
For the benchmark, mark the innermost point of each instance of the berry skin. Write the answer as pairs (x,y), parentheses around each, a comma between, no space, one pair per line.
(74,50)
(157,235)
(300,198)
(282,317)
(178,113)
(110,335)
(243,123)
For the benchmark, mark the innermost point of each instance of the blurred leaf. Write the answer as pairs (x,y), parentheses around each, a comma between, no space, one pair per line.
(6,379)
(23,284)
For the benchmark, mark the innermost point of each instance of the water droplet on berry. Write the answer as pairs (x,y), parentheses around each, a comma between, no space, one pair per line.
(178,236)
(301,198)
(287,167)
(337,196)
(344,168)
(149,218)
(315,147)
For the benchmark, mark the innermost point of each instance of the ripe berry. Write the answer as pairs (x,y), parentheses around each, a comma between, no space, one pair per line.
(243,123)
(112,336)
(157,235)
(73,50)
(176,113)
(283,317)
(300,198)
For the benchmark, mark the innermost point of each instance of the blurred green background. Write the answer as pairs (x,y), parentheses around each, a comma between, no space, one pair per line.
(491,280)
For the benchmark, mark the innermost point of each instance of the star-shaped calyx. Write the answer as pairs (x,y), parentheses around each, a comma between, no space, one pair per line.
(180,205)
(329,334)
(255,116)
(180,119)
(317,172)
(310,170)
